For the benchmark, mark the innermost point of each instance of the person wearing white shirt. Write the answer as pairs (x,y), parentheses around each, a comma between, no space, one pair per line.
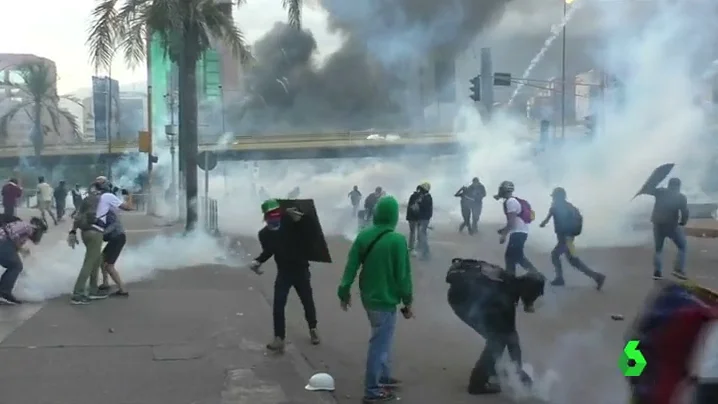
(44,199)
(516,230)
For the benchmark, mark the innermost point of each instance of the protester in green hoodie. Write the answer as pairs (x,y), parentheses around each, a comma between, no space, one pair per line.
(384,283)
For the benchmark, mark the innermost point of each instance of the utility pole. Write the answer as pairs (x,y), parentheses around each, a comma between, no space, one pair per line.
(108,126)
(487,80)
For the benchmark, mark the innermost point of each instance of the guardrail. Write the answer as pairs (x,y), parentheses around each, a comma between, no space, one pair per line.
(347,139)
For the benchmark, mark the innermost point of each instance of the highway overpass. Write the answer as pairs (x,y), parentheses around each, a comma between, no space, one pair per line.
(333,145)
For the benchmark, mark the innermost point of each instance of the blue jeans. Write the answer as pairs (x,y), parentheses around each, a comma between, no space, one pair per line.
(564,246)
(378,361)
(10,260)
(675,234)
(514,254)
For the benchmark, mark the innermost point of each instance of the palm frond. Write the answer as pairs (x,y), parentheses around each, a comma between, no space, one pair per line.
(132,30)
(167,18)
(38,80)
(58,114)
(8,117)
(215,23)
(294,12)
(102,35)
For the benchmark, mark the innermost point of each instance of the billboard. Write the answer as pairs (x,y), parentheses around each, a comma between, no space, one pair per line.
(106,118)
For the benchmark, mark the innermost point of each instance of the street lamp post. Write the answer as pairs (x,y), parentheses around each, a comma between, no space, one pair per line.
(563,69)
(171,133)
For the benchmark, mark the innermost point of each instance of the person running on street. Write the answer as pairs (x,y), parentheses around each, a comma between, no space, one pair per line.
(472,201)
(370,201)
(60,194)
(280,238)
(381,254)
(91,220)
(418,213)
(44,199)
(14,235)
(11,194)
(355,197)
(518,216)
(670,215)
(568,224)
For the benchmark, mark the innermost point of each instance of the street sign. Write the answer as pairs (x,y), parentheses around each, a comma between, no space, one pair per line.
(144,141)
(502,79)
(207,160)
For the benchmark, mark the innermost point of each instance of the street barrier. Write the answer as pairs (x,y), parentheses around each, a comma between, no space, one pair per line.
(209,215)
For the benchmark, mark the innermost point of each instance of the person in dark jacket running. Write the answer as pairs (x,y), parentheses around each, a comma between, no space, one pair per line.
(472,202)
(355,197)
(670,214)
(280,239)
(60,195)
(370,202)
(419,211)
(567,223)
(484,296)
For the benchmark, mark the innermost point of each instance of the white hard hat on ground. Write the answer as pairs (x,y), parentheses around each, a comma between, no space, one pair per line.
(320,382)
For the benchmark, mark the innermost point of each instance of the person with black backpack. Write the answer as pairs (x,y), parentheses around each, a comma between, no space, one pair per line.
(568,224)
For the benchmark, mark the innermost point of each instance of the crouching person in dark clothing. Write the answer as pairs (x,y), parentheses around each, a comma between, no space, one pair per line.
(13,236)
(484,296)
(280,238)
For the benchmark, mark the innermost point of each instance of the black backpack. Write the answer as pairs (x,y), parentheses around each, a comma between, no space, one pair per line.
(574,221)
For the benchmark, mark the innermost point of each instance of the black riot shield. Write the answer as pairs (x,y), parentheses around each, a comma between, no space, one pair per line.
(656,177)
(310,229)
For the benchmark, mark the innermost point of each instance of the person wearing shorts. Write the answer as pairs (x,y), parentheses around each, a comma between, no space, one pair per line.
(116,239)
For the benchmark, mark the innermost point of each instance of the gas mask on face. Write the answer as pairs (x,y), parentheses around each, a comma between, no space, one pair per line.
(273,219)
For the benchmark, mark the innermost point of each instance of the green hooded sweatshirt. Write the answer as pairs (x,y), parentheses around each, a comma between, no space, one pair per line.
(385,278)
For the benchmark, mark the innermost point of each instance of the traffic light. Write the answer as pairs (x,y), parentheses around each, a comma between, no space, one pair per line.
(475,88)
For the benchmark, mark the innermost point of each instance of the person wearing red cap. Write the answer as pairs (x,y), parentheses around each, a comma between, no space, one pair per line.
(280,239)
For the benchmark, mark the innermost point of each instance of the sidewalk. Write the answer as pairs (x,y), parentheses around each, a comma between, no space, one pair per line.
(191,336)
(704,228)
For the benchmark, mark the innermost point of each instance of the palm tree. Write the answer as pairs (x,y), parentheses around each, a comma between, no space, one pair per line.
(186,28)
(36,97)
(294,12)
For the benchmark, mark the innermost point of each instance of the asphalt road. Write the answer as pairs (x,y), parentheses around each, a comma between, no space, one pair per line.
(570,334)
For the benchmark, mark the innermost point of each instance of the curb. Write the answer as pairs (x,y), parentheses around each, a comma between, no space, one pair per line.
(701,232)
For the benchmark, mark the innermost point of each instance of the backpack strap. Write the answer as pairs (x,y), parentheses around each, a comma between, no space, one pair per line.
(372,244)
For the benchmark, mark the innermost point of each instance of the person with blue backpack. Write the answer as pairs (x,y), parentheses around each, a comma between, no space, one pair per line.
(568,224)
(518,217)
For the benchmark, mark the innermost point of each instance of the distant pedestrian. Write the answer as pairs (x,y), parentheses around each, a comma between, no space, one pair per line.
(76,199)
(568,224)
(370,201)
(472,202)
(11,194)
(419,212)
(355,197)
(44,199)
(60,194)
(382,256)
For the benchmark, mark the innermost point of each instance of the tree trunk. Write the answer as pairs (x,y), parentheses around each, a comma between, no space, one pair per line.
(188,124)
(37,136)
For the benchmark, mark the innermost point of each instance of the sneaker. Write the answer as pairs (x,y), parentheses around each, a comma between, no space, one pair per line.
(77,300)
(120,293)
(277,345)
(8,298)
(104,288)
(529,308)
(381,398)
(679,274)
(558,282)
(389,382)
(600,280)
(487,388)
(657,276)
(314,336)
(99,295)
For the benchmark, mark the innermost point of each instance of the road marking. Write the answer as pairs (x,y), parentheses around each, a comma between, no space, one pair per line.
(12,317)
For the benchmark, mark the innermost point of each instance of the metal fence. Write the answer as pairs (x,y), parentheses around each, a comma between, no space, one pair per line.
(209,215)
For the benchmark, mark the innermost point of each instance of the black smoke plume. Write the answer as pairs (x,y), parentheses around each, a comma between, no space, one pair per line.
(372,81)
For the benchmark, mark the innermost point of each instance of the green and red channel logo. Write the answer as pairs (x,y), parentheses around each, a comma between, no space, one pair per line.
(632,362)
